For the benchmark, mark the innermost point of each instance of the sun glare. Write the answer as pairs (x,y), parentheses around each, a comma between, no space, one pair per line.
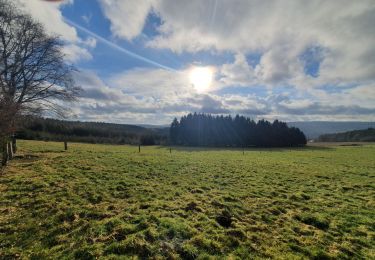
(201,78)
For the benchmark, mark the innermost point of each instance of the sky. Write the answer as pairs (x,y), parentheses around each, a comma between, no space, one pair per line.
(288,60)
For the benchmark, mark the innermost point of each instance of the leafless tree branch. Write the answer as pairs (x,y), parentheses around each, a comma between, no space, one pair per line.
(33,73)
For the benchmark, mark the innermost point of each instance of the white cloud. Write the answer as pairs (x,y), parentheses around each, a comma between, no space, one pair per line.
(127,16)
(238,73)
(87,18)
(153,82)
(74,53)
(133,96)
(276,68)
(296,104)
(362,95)
(90,42)
(50,16)
(279,30)
(155,95)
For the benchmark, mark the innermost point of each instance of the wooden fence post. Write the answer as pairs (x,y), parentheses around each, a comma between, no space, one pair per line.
(14,143)
(65,145)
(139,148)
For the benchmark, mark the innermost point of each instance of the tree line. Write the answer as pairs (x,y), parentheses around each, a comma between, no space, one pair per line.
(365,135)
(220,131)
(47,129)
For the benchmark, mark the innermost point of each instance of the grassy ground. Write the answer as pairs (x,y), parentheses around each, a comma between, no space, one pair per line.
(111,201)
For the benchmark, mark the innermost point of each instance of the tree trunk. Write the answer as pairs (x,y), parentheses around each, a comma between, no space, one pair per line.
(4,152)
(10,151)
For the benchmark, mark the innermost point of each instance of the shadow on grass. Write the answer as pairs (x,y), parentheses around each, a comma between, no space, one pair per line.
(246,149)
(51,151)
(26,157)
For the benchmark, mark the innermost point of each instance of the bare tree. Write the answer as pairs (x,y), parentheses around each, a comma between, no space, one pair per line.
(33,74)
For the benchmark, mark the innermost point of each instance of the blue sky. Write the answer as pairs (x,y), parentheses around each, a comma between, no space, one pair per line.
(267,59)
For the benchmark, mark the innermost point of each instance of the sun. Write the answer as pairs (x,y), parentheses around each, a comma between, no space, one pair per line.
(201,78)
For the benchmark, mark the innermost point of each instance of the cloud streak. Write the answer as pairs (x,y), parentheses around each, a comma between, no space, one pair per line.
(117,47)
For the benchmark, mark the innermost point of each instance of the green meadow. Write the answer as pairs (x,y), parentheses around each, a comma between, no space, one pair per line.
(110,202)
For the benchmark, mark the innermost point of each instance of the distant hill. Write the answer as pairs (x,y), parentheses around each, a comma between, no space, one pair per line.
(367,135)
(153,126)
(313,129)
(90,132)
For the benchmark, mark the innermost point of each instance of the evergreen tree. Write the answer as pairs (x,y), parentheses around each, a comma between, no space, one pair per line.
(207,130)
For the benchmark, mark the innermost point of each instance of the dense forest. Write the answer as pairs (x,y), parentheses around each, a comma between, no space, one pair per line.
(367,135)
(89,132)
(207,130)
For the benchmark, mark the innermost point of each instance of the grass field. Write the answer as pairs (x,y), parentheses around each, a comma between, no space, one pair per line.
(111,201)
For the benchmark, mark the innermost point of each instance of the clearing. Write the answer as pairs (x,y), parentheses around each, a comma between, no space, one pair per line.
(108,201)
